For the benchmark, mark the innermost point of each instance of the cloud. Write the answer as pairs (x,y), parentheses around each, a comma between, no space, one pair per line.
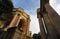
(56,5)
(57,8)
(34,27)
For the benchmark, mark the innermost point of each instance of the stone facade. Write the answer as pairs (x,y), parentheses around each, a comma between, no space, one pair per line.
(18,27)
(49,21)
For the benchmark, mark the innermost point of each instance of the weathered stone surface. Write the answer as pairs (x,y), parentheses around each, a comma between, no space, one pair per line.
(51,21)
(18,27)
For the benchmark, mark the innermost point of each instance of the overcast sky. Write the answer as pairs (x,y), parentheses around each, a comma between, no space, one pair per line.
(30,7)
(56,5)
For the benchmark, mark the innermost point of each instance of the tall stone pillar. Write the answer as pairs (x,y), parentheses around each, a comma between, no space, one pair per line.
(42,30)
(49,21)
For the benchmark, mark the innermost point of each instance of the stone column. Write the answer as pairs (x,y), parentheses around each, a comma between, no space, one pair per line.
(42,30)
